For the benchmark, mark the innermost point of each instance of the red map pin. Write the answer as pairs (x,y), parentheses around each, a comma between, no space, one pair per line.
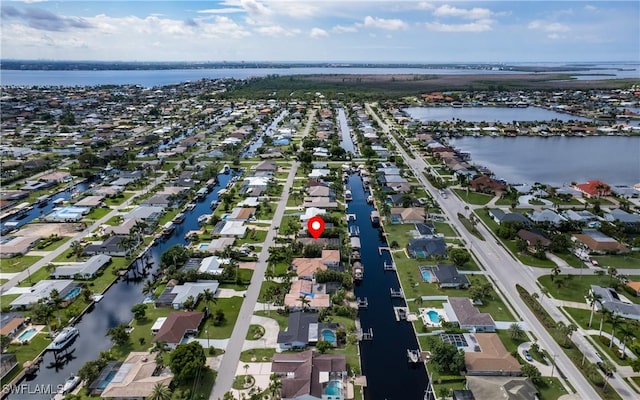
(315,225)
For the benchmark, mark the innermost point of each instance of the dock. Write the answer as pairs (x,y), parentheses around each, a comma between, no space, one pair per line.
(362,302)
(401,313)
(413,356)
(389,267)
(397,293)
(381,249)
(360,334)
(351,217)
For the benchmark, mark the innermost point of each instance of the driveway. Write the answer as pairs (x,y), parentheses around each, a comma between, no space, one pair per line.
(545,370)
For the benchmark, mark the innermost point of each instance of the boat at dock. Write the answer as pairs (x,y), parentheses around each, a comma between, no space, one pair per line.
(70,384)
(370,199)
(202,193)
(375,217)
(179,218)
(203,219)
(354,231)
(226,169)
(347,195)
(64,338)
(190,207)
(58,202)
(214,204)
(358,271)
(168,228)
(413,355)
(42,201)
(97,297)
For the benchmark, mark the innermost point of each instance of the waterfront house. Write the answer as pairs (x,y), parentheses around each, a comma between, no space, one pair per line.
(42,290)
(11,323)
(306,289)
(86,270)
(490,358)
(302,330)
(411,215)
(594,188)
(13,246)
(311,212)
(618,215)
(112,246)
(137,377)
(158,200)
(175,295)
(90,202)
(462,312)
(241,214)
(309,375)
(211,265)
(610,300)
(426,247)
(596,242)
(425,229)
(178,326)
(319,190)
(501,387)
(484,184)
(448,276)
(235,229)
(546,217)
(269,166)
(306,268)
(580,216)
(501,217)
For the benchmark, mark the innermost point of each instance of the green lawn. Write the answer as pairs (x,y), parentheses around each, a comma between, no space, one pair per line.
(444,228)
(551,389)
(527,258)
(66,256)
(102,281)
(576,287)
(399,233)
(257,355)
(253,236)
(231,308)
(472,197)
(510,344)
(53,245)
(614,351)
(35,277)
(97,213)
(572,260)
(283,320)
(116,201)
(631,260)
(26,352)
(17,264)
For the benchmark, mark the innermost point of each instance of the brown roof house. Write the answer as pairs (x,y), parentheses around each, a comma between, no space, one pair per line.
(305,289)
(18,245)
(306,268)
(411,215)
(177,326)
(136,378)
(533,240)
(492,358)
(308,375)
(485,184)
(460,310)
(597,242)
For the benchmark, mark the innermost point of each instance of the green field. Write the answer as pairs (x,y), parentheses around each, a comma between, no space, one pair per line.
(631,260)
(17,264)
(478,199)
(576,287)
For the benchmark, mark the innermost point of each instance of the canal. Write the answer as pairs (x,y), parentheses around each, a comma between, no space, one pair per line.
(114,309)
(384,359)
(345,132)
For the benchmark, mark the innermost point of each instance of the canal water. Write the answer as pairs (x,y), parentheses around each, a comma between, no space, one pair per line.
(36,211)
(114,309)
(488,114)
(259,141)
(384,359)
(343,125)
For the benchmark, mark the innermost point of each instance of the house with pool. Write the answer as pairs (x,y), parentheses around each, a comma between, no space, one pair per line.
(312,376)
(304,330)
(67,289)
(461,311)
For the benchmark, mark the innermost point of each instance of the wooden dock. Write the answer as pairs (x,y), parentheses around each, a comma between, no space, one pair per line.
(397,294)
(401,313)
(389,266)
(382,248)
(360,334)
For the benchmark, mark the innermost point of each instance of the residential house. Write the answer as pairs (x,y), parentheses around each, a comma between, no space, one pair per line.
(211,265)
(13,246)
(241,214)
(11,324)
(302,330)
(8,362)
(395,200)
(426,229)
(596,242)
(158,200)
(448,276)
(86,270)
(306,289)
(618,215)
(175,295)
(634,286)
(178,326)
(460,310)
(501,217)
(546,217)
(426,247)
(90,202)
(484,184)
(137,377)
(501,387)
(533,240)
(594,188)
(411,215)
(306,268)
(580,216)
(255,185)
(311,212)
(491,358)
(319,191)
(235,229)
(42,290)
(610,300)
(112,246)
(268,166)
(308,375)
(320,202)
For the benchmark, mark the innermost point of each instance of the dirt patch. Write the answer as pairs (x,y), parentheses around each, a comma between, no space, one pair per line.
(247,265)
(44,230)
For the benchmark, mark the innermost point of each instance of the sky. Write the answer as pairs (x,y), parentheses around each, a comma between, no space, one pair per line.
(321,31)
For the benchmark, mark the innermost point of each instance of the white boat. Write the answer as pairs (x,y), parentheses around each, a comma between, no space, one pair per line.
(203,218)
(168,228)
(70,384)
(179,218)
(97,297)
(358,271)
(413,356)
(347,195)
(64,338)
(226,169)
(370,199)
(58,201)
(190,206)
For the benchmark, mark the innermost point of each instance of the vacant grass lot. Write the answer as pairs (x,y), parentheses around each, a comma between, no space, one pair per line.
(444,228)
(400,233)
(97,213)
(17,264)
(576,287)
(478,199)
(631,260)
(231,308)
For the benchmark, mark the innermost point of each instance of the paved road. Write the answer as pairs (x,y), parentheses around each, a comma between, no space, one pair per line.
(227,370)
(80,236)
(507,273)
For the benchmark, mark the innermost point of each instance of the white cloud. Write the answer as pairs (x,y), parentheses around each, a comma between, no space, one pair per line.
(423,5)
(381,23)
(548,26)
(473,13)
(226,10)
(590,8)
(482,25)
(553,36)
(276,30)
(344,29)
(318,33)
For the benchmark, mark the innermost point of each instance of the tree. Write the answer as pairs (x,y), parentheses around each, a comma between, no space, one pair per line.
(567,331)
(4,342)
(209,297)
(160,392)
(304,301)
(322,346)
(446,357)
(515,331)
(532,372)
(189,303)
(274,386)
(604,313)
(615,320)
(555,271)
(459,257)
(186,362)
(76,248)
(175,256)
(119,334)
(627,332)
(612,272)
(56,301)
(609,369)
(592,299)
(42,312)
(148,288)
(139,312)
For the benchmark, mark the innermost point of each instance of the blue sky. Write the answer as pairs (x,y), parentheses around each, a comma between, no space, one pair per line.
(319,30)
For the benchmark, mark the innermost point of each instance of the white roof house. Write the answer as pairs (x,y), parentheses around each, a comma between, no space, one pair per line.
(233,229)
(319,173)
(312,212)
(87,269)
(40,290)
(193,289)
(211,265)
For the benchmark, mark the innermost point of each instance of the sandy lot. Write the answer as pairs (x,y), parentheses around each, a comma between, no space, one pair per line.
(44,230)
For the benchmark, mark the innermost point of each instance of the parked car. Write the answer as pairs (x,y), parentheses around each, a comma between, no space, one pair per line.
(527,355)
(606,372)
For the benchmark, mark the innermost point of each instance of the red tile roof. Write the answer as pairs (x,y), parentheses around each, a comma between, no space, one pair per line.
(594,188)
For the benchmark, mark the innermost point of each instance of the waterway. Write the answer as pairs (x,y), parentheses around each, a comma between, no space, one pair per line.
(259,140)
(488,114)
(150,78)
(557,160)
(114,309)
(36,211)
(345,132)
(384,359)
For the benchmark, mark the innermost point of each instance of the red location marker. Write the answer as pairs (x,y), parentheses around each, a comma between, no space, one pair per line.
(315,225)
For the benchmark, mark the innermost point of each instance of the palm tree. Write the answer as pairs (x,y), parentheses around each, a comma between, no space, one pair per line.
(76,248)
(555,271)
(604,314)
(160,392)
(304,301)
(615,320)
(627,332)
(612,272)
(592,299)
(274,386)
(208,297)
(56,301)
(147,289)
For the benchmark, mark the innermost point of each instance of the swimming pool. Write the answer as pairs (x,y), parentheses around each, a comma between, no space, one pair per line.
(107,380)
(26,335)
(333,388)
(434,316)
(203,246)
(329,336)
(72,294)
(426,275)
